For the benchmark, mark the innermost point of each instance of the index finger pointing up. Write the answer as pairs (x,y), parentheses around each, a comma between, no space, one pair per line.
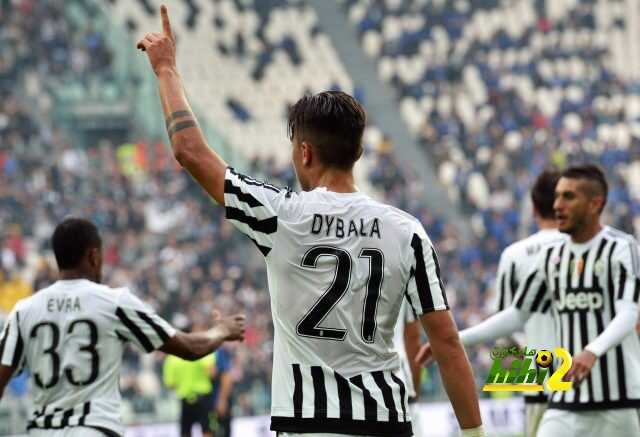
(166,25)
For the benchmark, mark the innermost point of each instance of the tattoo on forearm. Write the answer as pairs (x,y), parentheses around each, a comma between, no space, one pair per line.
(178,114)
(174,125)
(181,125)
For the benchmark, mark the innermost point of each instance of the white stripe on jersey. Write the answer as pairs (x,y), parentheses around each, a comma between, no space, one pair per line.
(584,282)
(71,337)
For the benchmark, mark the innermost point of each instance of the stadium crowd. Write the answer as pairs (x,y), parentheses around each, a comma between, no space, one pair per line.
(496,91)
(166,240)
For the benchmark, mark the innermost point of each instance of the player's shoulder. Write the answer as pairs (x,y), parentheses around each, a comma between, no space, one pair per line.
(618,235)
(530,247)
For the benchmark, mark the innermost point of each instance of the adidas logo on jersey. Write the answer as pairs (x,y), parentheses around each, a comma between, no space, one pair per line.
(580,301)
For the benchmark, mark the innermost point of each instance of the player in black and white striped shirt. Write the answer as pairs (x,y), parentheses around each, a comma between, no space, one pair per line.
(591,284)
(339,266)
(515,263)
(72,334)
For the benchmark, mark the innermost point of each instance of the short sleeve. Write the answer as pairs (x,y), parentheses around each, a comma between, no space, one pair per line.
(250,206)
(11,342)
(425,290)
(626,271)
(533,294)
(139,323)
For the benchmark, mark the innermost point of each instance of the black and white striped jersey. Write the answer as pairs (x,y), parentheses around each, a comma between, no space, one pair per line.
(582,283)
(339,266)
(71,336)
(516,262)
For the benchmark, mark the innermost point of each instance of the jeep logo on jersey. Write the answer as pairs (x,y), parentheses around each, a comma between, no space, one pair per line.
(579,301)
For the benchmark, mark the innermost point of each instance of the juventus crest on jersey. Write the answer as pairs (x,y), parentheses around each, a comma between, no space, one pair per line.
(71,337)
(581,284)
(516,262)
(339,267)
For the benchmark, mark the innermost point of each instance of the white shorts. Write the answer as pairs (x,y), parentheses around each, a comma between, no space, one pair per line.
(73,431)
(534,413)
(619,422)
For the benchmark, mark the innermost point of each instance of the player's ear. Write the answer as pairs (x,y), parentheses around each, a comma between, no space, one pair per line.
(94,257)
(307,153)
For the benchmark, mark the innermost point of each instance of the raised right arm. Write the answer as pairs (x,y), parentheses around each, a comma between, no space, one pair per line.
(188,143)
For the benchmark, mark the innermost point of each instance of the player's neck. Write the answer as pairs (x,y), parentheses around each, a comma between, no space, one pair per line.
(71,274)
(585,234)
(546,224)
(338,181)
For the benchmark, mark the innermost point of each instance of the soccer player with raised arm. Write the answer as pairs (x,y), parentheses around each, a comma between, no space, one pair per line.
(71,337)
(591,284)
(339,267)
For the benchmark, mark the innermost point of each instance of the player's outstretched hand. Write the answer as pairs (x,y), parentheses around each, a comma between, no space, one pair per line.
(424,357)
(581,366)
(160,47)
(232,327)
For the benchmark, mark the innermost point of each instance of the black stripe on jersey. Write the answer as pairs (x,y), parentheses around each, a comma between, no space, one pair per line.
(556,277)
(546,263)
(610,287)
(623,280)
(542,292)
(403,392)
(164,336)
(527,285)
(344,396)
(604,365)
(319,393)
(251,181)
(622,382)
(370,404)
(636,291)
(387,395)
(545,306)
(437,263)
(86,410)
(584,339)
(513,282)
(570,271)
(263,249)
(503,292)
(48,419)
(66,417)
(247,198)
(266,226)
(17,354)
(3,342)
(420,273)
(339,426)
(135,330)
(297,391)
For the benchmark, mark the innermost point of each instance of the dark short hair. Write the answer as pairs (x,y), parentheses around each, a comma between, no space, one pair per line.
(72,239)
(333,122)
(592,173)
(543,193)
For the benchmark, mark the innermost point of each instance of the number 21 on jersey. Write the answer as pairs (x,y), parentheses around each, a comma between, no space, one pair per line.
(309,325)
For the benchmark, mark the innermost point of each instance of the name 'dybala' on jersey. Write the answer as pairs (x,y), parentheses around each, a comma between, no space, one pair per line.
(326,224)
(64,304)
